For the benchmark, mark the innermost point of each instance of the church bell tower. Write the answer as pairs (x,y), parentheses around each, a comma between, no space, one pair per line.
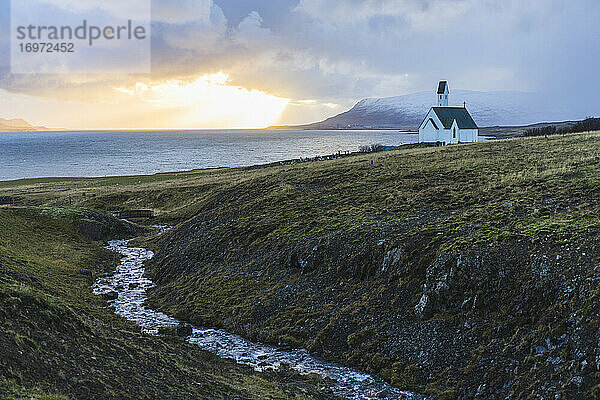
(442,94)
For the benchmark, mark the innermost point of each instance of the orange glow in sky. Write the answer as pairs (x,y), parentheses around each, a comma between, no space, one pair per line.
(208,102)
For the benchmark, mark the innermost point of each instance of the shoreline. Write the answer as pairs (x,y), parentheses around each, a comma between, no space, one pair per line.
(292,161)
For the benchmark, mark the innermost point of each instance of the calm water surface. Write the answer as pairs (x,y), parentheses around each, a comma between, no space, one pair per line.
(44,154)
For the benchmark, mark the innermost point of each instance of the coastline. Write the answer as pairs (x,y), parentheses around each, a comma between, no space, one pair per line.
(146,153)
(327,157)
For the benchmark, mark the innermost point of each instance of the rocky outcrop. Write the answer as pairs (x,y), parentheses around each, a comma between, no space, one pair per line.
(99,226)
(436,290)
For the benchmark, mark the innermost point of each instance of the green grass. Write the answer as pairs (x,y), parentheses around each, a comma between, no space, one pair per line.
(294,254)
(11,390)
(60,341)
(313,198)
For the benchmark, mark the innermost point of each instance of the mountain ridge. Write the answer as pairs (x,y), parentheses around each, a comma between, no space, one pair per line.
(20,125)
(497,108)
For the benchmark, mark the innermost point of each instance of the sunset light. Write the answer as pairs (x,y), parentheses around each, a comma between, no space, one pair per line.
(207,102)
(211,102)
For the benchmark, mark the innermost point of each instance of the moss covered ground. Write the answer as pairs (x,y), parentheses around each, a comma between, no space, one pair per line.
(59,341)
(464,271)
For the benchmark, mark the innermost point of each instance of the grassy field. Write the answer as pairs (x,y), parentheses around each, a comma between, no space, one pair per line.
(440,269)
(479,178)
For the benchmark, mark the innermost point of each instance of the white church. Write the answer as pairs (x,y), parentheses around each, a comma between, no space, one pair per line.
(447,125)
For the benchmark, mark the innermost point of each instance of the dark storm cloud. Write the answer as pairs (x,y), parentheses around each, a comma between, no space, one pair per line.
(341,51)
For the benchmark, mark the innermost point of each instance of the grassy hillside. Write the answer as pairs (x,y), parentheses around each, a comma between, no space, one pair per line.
(58,341)
(465,271)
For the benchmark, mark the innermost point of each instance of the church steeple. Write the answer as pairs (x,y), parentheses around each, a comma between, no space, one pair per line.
(442,94)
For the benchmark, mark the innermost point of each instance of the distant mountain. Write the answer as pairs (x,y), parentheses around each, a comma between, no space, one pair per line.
(19,125)
(501,108)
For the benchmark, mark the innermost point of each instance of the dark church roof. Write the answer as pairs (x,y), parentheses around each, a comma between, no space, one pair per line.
(442,87)
(448,114)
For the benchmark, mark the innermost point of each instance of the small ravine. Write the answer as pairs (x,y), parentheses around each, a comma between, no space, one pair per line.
(130,284)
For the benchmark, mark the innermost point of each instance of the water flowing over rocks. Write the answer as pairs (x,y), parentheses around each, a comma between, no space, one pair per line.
(130,285)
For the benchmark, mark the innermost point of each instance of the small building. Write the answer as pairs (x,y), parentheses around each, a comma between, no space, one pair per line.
(447,125)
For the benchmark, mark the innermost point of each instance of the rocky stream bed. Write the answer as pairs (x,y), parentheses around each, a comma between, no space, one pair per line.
(126,291)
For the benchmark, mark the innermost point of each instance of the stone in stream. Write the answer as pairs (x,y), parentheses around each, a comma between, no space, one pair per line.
(112,295)
(181,330)
(167,330)
(184,330)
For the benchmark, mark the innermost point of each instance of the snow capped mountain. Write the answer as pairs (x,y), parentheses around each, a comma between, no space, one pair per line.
(487,108)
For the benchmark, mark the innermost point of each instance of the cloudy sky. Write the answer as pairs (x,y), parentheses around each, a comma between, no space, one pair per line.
(253,63)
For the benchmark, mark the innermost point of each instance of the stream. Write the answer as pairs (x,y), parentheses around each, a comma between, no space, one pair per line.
(130,284)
